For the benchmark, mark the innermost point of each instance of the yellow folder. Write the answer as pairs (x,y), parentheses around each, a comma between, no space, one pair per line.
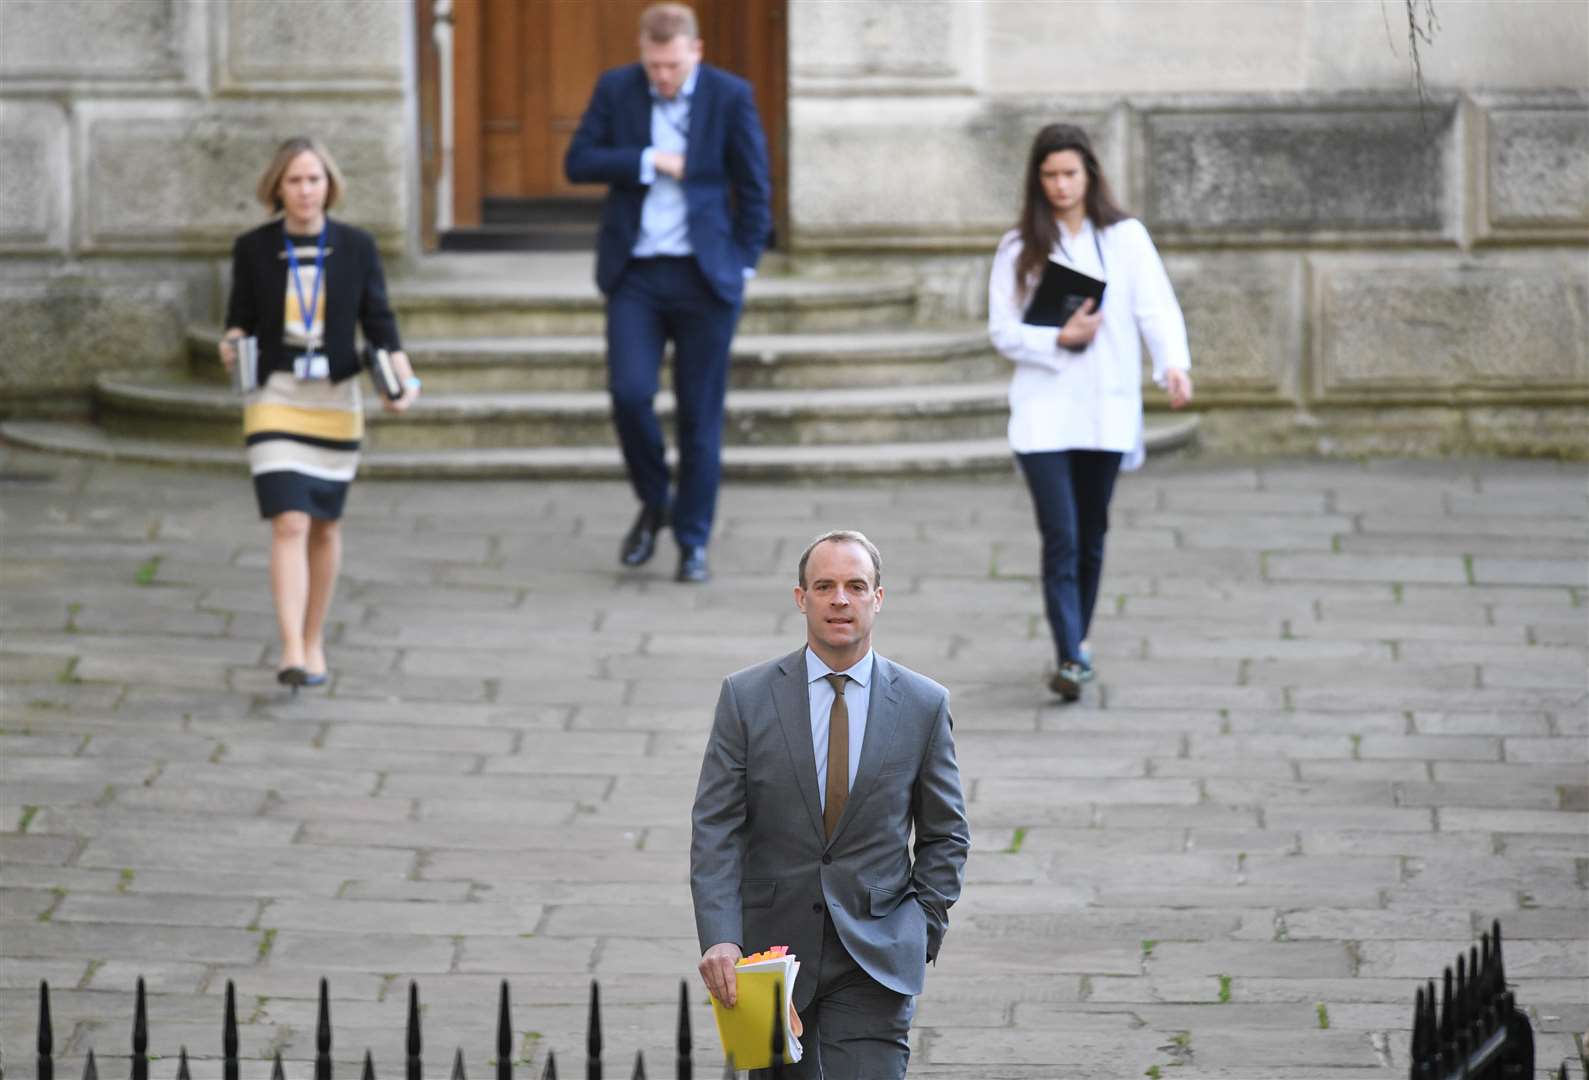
(746,1029)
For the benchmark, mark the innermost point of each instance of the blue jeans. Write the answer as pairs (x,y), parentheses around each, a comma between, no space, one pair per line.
(1071,491)
(657,300)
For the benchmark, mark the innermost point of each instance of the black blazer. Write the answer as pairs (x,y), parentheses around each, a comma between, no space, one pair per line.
(355,294)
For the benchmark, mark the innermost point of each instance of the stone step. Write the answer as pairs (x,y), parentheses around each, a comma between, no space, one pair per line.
(512,294)
(855,358)
(155,405)
(971,456)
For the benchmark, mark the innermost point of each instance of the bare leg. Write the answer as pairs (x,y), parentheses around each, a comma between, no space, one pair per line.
(289,581)
(325,559)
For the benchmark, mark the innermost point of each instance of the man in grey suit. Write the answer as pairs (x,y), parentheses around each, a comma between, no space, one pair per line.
(819,766)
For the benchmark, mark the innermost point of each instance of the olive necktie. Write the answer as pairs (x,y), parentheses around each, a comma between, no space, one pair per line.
(838,756)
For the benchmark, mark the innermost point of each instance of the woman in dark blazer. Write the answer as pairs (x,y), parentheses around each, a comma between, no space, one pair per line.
(300,284)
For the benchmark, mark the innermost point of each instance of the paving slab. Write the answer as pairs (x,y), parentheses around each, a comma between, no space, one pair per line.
(1340,726)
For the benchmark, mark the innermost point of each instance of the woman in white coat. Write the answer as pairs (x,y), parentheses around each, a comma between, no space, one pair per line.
(1076,392)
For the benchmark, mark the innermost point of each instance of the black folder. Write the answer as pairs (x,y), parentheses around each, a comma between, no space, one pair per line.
(1060,292)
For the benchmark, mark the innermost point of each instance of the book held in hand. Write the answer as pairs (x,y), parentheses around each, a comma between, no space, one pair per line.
(383,373)
(765,983)
(1059,294)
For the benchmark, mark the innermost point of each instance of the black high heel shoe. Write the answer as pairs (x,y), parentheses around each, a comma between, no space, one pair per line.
(312,680)
(293,677)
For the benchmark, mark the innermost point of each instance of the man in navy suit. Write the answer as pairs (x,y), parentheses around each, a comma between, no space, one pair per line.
(680,148)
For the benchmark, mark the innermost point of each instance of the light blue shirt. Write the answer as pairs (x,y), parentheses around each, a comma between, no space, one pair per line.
(857,698)
(664,217)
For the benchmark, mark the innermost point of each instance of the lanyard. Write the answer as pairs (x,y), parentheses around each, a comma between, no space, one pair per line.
(306,309)
(1096,246)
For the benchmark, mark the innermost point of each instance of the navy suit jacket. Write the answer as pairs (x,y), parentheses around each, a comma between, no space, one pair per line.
(727,189)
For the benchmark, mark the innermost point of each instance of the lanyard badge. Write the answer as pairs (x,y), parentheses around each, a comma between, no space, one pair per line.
(312,364)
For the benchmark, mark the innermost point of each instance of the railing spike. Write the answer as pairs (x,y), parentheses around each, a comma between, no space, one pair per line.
(550,1072)
(369,1066)
(684,1065)
(90,1067)
(504,1035)
(415,1044)
(639,1066)
(1495,945)
(229,1032)
(1475,988)
(776,1071)
(322,1035)
(276,1071)
(457,1065)
(1418,1048)
(593,1035)
(182,1065)
(46,1047)
(140,1035)
(1447,1017)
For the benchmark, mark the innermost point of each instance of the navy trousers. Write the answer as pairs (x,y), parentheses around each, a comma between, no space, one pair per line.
(1071,491)
(656,301)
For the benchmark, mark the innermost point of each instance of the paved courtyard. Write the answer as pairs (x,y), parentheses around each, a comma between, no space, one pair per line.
(1340,726)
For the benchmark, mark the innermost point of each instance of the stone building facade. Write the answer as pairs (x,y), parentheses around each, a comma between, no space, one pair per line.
(132,133)
(1361,270)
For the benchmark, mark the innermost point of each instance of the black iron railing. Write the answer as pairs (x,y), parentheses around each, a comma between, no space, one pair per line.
(683,1067)
(1476,1032)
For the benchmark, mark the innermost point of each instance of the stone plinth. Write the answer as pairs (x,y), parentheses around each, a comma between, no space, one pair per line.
(57,334)
(1398,328)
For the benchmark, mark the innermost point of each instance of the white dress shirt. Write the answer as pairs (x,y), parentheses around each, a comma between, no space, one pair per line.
(857,698)
(664,218)
(1091,399)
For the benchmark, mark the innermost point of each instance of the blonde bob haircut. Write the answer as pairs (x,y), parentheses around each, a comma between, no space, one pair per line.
(269,190)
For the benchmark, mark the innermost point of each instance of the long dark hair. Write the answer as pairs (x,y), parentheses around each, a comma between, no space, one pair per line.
(1039,231)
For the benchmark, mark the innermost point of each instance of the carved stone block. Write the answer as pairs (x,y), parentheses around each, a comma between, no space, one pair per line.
(35,180)
(906,171)
(1539,167)
(1405,328)
(834,46)
(77,40)
(1299,173)
(1243,322)
(176,183)
(269,44)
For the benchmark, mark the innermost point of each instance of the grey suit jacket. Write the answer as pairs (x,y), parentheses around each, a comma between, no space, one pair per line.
(761,872)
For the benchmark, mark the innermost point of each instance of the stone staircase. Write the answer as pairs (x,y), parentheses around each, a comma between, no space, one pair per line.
(829,376)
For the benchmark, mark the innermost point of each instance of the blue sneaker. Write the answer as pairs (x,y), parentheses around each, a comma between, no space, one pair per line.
(1084,661)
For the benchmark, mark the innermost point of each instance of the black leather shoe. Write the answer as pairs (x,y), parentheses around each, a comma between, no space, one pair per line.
(640,542)
(692,566)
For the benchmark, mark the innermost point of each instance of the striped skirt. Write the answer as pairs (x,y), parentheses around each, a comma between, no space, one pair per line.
(303,444)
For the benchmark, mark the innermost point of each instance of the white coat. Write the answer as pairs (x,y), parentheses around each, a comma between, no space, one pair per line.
(1091,399)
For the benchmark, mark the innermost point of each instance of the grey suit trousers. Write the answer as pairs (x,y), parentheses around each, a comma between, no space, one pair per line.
(855,1027)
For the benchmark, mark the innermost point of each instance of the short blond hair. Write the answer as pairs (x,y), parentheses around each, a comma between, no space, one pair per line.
(661,23)
(844,536)
(269,190)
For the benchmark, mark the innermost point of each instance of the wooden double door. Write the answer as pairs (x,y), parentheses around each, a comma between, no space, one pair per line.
(523,71)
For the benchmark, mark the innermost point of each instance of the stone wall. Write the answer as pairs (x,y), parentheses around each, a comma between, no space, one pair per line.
(1361,271)
(131,136)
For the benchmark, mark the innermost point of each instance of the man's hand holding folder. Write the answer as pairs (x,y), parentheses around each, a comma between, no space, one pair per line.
(717,971)
(760,989)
